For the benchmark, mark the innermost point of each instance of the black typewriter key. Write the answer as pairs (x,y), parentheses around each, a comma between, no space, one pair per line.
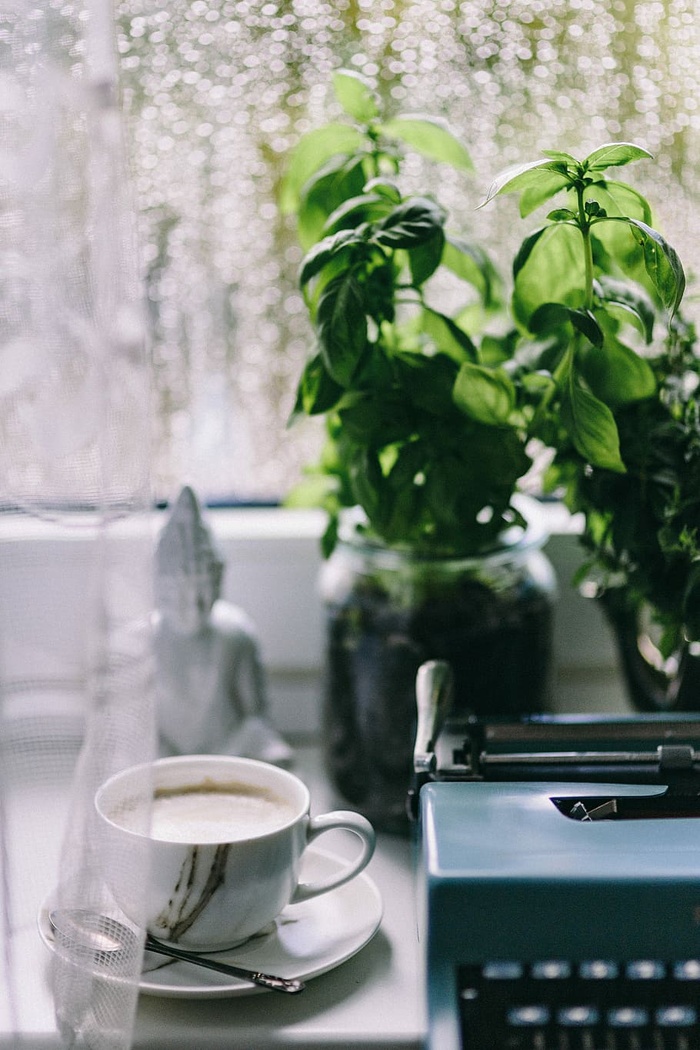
(595,1004)
(645,970)
(528,1016)
(578,1016)
(598,970)
(688,970)
(551,970)
(676,1016)
(503,970)
(628,1017)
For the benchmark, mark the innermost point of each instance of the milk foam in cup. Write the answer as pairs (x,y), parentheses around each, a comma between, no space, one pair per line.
(224,837)
(216,812)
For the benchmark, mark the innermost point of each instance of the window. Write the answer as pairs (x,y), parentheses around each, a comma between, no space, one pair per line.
(216,93)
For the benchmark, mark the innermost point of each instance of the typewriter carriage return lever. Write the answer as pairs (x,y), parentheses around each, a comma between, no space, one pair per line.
(454,745)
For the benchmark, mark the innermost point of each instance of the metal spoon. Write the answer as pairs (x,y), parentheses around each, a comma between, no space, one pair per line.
(103,938)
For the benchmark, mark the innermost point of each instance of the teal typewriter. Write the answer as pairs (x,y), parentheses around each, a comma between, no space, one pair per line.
(559,878)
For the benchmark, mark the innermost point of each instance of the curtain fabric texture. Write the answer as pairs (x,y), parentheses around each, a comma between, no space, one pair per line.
(76,677)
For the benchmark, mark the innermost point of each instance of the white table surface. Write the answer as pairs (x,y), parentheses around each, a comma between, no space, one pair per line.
(374,1000)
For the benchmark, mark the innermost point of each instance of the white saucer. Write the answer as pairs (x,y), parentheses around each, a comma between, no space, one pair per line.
(307,939)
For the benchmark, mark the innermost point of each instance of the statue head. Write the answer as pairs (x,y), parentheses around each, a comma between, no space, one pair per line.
(188,568)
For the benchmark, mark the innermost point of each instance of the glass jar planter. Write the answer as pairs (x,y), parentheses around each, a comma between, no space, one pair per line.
(387,611)
(654,683)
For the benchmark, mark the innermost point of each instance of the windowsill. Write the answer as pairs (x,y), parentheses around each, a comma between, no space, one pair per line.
(273,560)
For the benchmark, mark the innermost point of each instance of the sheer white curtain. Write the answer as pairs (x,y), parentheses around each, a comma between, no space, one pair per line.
(76,699)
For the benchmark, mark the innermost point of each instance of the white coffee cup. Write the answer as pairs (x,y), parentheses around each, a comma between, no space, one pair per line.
(224,841)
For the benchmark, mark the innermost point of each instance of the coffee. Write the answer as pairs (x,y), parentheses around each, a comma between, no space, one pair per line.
(215,812)
(211,811)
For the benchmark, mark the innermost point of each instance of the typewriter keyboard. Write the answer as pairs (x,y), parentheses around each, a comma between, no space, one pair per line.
(600,1004)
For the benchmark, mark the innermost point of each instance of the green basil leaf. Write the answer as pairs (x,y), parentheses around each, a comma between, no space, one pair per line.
(428,381)
(548,185)
(317,391)
(336,182)
(591,427)
(362,418)
(562,215)
(367,484)
(616,374)
(550,316)
(621,314)
(430,137)
(342,327)
(663,266)
(322,253)
(355,96)
(425,258)
(342,263)
(483,470)
(525,250)
(616,248)
(375,373)
(539,383)
(403,521)
(408,462)
(484,394)
(542,354)
(311,153)
(470,263)
(525,177)
(385,188)
(496,348)
(314,490)
(617,295)
(617,198)
(550,268)
(614,154)
(447,335)
(559,155)
(414,222)
(366,208)
(585,322)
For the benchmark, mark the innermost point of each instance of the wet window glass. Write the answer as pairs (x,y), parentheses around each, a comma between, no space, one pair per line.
(216,94)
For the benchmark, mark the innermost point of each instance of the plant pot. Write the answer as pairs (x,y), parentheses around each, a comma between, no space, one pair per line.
(387,611)
(653,683)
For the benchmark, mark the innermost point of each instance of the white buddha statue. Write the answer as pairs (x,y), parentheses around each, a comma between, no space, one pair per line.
(211,684)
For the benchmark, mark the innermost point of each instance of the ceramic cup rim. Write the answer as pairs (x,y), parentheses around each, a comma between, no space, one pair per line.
(130,773)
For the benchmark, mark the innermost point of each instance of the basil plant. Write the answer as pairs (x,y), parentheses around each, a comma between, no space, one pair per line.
(425,430)
(613,378)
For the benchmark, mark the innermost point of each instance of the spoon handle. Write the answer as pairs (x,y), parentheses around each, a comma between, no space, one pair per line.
(265,980)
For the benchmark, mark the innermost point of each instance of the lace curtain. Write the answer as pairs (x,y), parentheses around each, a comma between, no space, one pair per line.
(75,551)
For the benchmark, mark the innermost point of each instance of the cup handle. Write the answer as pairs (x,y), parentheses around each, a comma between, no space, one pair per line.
(346,820)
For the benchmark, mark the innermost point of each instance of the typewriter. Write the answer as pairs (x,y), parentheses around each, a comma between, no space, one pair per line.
(559,878)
